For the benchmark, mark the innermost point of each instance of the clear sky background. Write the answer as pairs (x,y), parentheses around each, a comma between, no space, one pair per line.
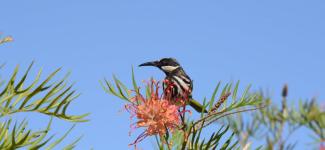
(265,43)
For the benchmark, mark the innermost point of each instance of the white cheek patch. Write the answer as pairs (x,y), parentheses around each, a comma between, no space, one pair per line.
(169,68)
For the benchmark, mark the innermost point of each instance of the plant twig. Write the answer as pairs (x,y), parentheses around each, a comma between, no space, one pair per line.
(222,99)
(211,120)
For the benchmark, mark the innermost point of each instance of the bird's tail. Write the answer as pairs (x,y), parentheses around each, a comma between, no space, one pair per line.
(197,106)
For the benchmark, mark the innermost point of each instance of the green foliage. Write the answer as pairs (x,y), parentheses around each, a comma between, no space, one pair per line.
(20,137)
(312,116)
(48,97)
(16,98)
(277,123)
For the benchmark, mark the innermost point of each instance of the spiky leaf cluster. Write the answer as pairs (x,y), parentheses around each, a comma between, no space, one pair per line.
(48,97)
(276,123)
(15,136)
(18,96)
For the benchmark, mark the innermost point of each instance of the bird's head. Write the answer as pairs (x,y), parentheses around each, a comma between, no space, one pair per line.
(167,65)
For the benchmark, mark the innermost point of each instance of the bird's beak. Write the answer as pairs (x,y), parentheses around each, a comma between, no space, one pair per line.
(152,63)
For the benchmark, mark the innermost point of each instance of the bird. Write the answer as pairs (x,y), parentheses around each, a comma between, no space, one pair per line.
(181,81)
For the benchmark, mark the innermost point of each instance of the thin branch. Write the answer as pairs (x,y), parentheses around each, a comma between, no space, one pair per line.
(222,99)
(196,124)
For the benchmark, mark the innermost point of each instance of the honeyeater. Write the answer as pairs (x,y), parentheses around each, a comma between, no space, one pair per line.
(181,81)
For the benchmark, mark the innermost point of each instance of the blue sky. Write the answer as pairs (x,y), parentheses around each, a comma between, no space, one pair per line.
(265,43)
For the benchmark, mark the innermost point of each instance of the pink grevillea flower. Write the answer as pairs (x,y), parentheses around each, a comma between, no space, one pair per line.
(322,145)
(155,113)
